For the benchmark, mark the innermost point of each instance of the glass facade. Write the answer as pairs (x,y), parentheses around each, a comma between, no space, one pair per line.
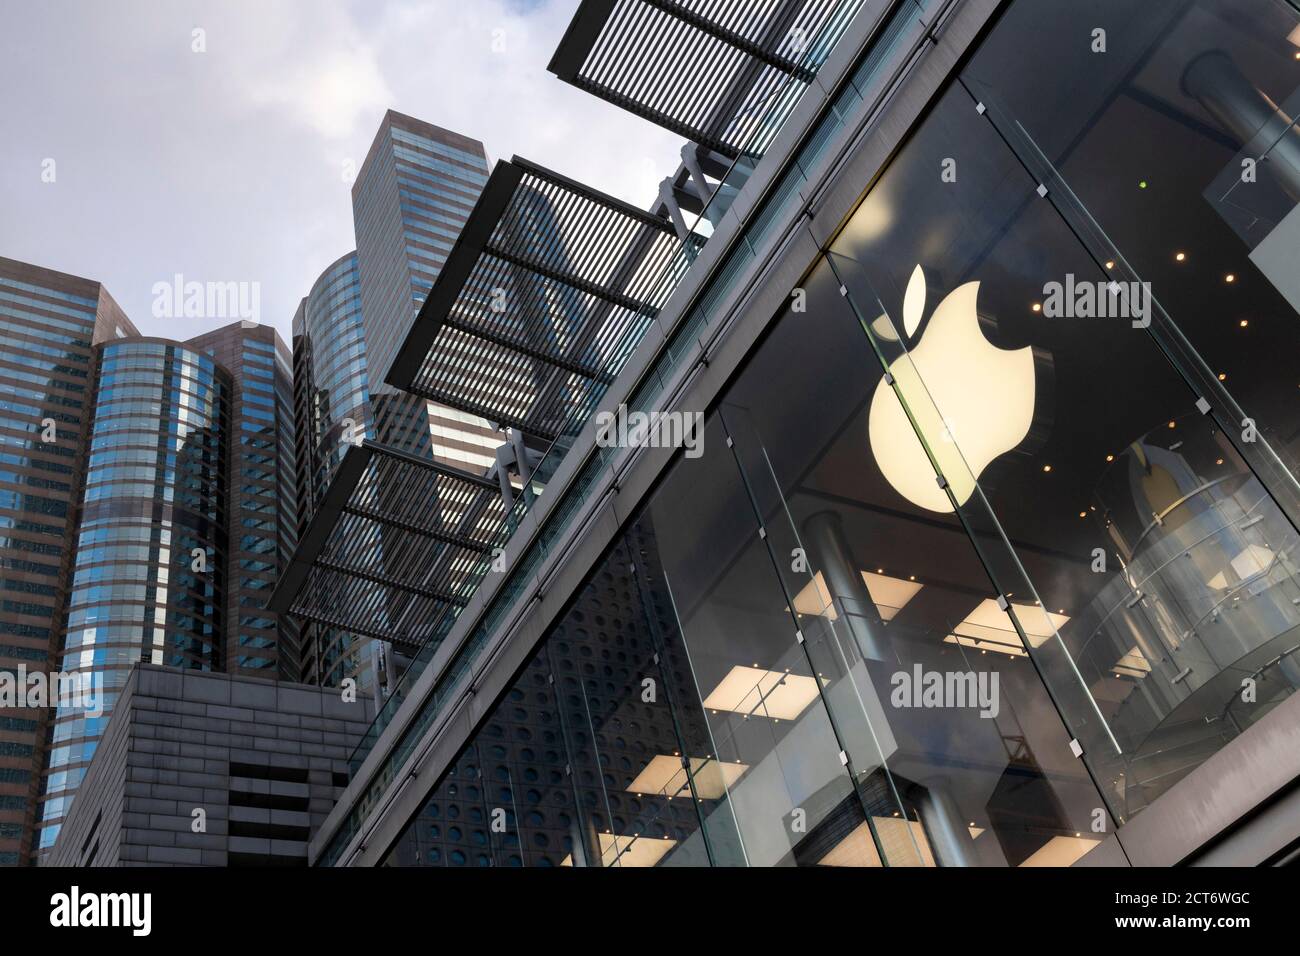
(332,410)
(149,575)
(330,382)
(49,323)
(991,540)
(411,199)
(263,519)
(1143,522)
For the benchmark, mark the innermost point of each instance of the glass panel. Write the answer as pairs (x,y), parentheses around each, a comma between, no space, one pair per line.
(699,775)
(1072,451)
(980,763)
(777,751)
(636,806)
(1175,156)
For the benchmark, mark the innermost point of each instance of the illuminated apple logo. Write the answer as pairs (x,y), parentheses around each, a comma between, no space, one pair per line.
(971,401)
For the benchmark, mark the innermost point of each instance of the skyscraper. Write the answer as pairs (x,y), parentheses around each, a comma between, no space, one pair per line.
(330,385)
(150,568)
(412,196)
(331,409)
(262,512)
(49,325)
(146,511)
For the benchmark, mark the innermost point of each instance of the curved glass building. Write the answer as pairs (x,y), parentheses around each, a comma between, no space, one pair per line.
(149,569)
(331,393)
(331,411)
(50,323)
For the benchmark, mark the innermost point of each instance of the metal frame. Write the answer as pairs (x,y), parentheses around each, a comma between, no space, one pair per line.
(574,273)
(535,301)
(380,558)
(694,68)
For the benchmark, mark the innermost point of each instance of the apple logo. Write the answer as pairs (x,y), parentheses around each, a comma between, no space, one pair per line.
(971,401)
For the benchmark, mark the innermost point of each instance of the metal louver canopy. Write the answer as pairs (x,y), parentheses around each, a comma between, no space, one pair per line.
(546,291)
(704,69)
(548,286)
(396,542)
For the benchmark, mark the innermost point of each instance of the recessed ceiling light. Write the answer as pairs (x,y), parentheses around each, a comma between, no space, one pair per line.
(889,594)
(1047,468)
(1244,322)
(987,628)
(1223,376)
(1110,457)
(1230,278)
(1060,851)
(1218,461)
(1110,263)
(748,690)
(629,851)
(1180,256)
(665,776)
(901,838)
(1173,424)
(1083,514)
(1037,307)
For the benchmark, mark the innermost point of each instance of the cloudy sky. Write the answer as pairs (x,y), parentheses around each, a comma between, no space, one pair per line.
(228,165)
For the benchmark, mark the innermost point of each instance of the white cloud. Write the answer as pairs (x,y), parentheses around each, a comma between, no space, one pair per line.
(227,165)
(331,92)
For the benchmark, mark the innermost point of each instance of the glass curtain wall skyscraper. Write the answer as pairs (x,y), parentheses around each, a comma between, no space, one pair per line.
(331,411)
(262,520)
(49,325)
(146,510)
(150,569)
(412,196)
(331,392)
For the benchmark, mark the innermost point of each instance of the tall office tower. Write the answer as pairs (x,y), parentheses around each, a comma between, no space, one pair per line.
(412,196)
(149,579)
(263,523)
(145,513)
(49,324)
(330,392)
(331,409)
